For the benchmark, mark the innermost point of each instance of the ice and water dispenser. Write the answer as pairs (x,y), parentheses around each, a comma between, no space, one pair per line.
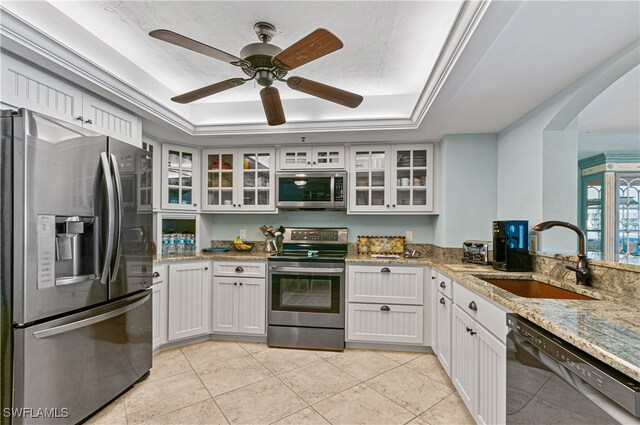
(67,250)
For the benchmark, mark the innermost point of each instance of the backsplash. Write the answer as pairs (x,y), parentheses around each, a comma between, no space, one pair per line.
(622,279)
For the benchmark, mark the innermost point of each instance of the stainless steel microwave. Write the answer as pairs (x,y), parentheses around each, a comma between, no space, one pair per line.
(312,190)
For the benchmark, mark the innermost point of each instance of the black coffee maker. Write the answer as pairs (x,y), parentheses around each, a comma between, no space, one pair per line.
(511,246)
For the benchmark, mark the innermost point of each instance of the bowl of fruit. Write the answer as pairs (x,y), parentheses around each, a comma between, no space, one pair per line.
(239,245)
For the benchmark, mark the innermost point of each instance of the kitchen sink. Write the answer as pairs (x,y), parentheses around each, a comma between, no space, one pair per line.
(534,289)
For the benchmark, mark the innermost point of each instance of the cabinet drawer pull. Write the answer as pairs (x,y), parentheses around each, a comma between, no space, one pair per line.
(443,285)
(385,270)
(239,269)
(473,306)
(442,301)
(469,329)
(89,122)
(472,333)
(385,308)
(79,118)
(156,274)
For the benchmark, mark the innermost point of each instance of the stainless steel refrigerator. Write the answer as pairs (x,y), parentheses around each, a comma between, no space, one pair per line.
(76,304)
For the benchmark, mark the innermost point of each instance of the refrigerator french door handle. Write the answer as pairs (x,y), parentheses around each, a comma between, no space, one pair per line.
(116,178)
(108,255)
(89,321)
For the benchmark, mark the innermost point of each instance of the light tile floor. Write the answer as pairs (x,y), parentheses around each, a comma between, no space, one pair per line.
(217,382)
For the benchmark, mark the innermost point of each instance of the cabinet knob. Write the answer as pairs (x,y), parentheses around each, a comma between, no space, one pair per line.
(234,205)
(156,274)
(433,278)
(442,301)
(393,206)
(385,308)
(314,163)
(469,329)
(195,205)
(235,283)
(206,268)
(308,162)
(443,285)
(79,118)
(239,269)
(385,270)
(240,283)
(88,121)
(387,205)
(239,205)
(473,306)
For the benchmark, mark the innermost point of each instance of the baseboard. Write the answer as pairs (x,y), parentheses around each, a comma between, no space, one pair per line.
(388,347)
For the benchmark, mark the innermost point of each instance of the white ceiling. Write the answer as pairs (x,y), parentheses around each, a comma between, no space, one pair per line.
(389,49)
(519,55)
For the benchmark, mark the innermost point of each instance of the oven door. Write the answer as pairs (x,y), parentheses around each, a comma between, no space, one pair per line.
(306,294)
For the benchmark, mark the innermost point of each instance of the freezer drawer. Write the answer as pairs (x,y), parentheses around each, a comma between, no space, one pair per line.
(82,361)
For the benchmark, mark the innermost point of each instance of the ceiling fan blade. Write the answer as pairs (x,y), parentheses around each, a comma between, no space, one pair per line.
(208,90)
(315,45)
(272,106)
(196,46)
(323,91)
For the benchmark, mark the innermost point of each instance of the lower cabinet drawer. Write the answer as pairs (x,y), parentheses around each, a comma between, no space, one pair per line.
(385,323)
(484,311)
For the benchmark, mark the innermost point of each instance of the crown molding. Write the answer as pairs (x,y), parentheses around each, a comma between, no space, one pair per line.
(23,39)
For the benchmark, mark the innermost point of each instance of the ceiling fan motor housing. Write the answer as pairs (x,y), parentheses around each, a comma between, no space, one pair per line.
(259,56)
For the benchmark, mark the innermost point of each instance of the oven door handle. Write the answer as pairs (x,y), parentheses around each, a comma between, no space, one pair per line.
(311,270)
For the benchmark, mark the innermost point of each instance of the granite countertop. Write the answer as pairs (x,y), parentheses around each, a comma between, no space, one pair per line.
(608,328)
(229,255)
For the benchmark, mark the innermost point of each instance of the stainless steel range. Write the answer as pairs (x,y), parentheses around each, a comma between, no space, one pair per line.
(306,290)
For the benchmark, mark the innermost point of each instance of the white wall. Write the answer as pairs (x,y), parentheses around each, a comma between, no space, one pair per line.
(537,155)
(468,182)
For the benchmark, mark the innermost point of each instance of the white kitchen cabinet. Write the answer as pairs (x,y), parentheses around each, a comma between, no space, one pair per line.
(433,310)
(463,344)
(369,179)
(237,180)
(27,86)
(189,300)
(159,306)
(412,178)
(385,323)
(105,118)
(239,305)
(151,187)
(179,177)
(479,369)
(391,179)
(386,284)
(445,286)
(312,157)
(239,297)
(443,332)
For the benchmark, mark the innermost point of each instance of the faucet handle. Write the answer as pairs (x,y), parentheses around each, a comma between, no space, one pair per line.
(582,270)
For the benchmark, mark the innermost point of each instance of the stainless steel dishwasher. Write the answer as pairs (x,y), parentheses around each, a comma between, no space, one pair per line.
(550,381)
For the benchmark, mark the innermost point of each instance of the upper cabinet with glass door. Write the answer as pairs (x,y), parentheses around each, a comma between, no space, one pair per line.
(369,179)
(218,184)
(256,189)
(412,178)
(396,179)
(179,178)
(308,157)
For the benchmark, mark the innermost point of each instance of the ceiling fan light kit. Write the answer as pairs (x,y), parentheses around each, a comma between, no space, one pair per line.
(267,63)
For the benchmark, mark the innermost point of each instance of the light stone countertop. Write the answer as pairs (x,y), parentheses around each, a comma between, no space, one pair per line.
(607,328)
(229,255)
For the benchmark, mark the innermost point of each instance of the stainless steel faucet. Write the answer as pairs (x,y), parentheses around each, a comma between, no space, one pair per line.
(583,273)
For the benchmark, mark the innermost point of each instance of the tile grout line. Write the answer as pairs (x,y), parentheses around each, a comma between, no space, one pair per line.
(205,387)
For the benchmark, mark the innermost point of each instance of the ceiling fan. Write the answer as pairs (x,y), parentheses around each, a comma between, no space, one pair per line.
(267,63)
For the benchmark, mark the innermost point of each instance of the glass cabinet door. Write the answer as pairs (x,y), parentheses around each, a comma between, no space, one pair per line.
(178,175)
(369,188)
(412,178)
(628,217)
(144,178)
(593,213)
(219,180)
(257,179)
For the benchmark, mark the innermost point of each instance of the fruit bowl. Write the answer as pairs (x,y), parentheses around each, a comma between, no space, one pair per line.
(243,246)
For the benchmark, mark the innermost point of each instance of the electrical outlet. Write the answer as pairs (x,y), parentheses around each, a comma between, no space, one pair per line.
(243,234)
(409,235)
(533,243)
